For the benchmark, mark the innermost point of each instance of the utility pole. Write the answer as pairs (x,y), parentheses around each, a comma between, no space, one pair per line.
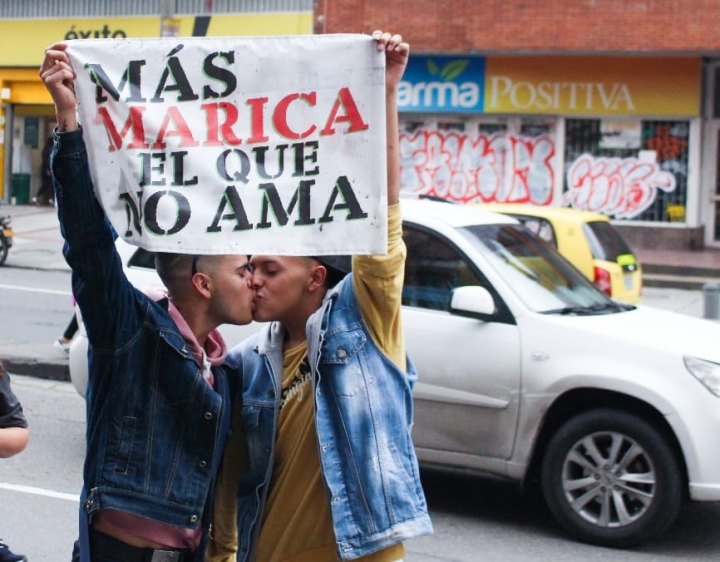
(169,24)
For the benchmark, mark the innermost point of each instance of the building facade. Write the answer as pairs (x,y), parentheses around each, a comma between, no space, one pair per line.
(605,105)
(26,28)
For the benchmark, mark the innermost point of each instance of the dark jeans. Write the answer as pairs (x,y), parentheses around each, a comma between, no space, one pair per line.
(71,329)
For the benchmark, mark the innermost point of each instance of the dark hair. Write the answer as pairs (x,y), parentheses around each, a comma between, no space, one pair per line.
(337,267)
(173,267)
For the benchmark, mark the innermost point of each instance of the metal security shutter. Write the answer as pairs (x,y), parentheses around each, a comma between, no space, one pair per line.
(28,9)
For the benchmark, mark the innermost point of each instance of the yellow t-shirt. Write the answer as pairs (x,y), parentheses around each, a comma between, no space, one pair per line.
(297,522)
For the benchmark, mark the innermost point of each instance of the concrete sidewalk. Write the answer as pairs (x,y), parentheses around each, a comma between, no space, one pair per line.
(38,245)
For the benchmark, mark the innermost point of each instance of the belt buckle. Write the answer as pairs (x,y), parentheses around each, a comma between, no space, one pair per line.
(165,556)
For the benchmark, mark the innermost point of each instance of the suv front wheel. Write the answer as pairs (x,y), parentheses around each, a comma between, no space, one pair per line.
(611,479)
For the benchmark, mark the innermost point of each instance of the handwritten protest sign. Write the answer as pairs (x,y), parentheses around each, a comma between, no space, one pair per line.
(272,145)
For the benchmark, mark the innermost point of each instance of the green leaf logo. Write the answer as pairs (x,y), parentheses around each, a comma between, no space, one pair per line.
(453,69)
(433,68)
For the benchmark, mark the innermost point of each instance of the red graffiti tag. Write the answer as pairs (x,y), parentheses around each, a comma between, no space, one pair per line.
(498,167)
(618,187)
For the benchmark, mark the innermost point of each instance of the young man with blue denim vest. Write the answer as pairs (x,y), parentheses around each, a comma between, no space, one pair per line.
(331,471)
(158,395)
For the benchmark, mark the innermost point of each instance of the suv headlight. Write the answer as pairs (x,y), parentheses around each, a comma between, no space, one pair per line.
(706,372)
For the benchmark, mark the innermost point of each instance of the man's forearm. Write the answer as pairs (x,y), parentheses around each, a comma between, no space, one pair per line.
(66,120)
(13,440)
(392,131)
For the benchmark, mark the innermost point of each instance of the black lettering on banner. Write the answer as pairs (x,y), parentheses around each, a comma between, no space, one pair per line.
(133,212)
(301,198)
(238,214)
(181,84)
(260,152)
(222,166)
(301,156)
(220,74)
(131,76)
(181,219)
(343,187)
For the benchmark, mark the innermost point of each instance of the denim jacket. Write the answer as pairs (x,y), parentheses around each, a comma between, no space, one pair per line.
(363,404)
(155,428)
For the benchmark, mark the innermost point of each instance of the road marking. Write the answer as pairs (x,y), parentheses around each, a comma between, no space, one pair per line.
(33,290)
(40,492)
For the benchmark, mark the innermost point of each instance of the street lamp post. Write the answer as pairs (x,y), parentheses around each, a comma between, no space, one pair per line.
(169,24)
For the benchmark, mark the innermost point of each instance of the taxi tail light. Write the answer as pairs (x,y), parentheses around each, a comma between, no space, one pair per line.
(602,280)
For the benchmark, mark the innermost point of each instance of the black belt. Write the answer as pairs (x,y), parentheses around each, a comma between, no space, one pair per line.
(102,544)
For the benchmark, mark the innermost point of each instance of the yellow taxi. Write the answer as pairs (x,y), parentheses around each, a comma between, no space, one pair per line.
(588,240)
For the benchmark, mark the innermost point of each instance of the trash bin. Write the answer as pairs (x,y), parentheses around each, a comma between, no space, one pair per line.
(20,188)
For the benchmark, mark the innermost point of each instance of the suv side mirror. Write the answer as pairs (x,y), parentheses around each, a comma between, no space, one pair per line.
(472,301)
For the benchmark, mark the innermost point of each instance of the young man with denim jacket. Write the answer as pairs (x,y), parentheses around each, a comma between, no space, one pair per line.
(158,395)
(331,471)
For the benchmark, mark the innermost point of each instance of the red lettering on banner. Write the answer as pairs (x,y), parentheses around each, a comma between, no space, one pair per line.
(181,130)
(280,116)
(214,128)
(134,122)
(352,114)
(174,124)
(257,118)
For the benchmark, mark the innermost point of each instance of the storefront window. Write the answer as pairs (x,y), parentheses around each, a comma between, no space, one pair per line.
(627,169)
(474,161)
(492,128)
(451,126)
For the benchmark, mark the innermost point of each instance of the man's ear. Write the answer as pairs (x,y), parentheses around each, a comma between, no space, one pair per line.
(202,283)
(318,274)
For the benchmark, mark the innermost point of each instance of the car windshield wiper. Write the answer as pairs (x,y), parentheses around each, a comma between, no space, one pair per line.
(600,308)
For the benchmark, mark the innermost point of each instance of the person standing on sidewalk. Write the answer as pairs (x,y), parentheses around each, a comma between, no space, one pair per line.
(14,435)
(63,342)
(158,394)
(44,195)
(327,401)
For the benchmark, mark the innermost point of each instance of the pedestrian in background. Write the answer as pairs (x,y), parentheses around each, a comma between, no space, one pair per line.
(63,342)
(14,435)
(44,195)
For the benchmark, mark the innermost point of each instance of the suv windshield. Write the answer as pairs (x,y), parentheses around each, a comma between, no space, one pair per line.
(540,277)
(605,242)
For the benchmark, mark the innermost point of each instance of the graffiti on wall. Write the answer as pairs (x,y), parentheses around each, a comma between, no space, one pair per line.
(618,187)
(488,167)
(509,168)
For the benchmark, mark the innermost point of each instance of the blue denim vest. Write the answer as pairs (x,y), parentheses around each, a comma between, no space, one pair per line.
(155,428)
(364,418)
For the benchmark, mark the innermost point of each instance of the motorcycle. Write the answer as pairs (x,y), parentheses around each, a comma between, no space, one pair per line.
(6,238)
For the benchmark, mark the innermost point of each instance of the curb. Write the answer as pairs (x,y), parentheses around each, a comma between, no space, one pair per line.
(37,369)
(32,359)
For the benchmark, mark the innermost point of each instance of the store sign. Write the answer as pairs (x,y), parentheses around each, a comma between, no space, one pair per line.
(226,145)
(590,86)
(443,84)
(36,34)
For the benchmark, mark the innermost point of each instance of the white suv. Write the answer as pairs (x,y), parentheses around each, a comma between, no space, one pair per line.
(529,373)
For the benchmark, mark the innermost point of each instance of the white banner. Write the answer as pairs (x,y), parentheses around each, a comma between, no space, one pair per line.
(272,145)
